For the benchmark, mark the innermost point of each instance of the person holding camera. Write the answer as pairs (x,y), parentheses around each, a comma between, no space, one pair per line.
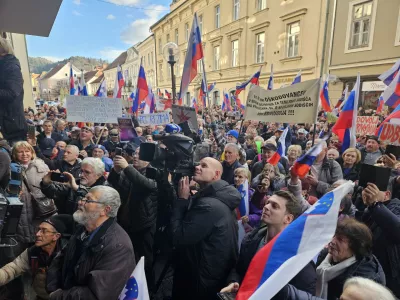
(138,213)
(204,232)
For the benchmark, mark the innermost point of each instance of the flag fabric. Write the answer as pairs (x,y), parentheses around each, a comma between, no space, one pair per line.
(342,98)
(131,97)
(292,249)
(82,91)
(324,97)
(254,79)
(102,90)
(271,79)
(136,287)
(243,209)
(159,93)
(394,115)
(297,79)
(119,83)
(150,102)
(211,86)
(380,104)
(239,104)
(391,95)
(227,102)
(168,94)
(274,160)
(194,104)
(303,164)
(142,90)
(194,54)
(72,90)
(345,126)
(388,76)
(202,93)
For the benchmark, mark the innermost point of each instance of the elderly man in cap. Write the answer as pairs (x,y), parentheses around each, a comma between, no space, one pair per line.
(42,260)
(85,142)
(99,151)
(99,258)
(371,152)
(231,137)
(268,150)
(301,139)
(112,142)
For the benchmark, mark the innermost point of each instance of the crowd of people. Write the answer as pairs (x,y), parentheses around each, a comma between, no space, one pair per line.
(104,211)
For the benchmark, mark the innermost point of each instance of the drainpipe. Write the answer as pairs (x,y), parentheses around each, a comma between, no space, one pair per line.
(324,40)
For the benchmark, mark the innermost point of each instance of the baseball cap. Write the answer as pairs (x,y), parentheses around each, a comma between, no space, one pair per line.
(373,137)
(101,147)
(62,223)
(87,128)
(114,132)
(269,147)
(172,128)
(233,133)
(75,129)
(46,145)
(129,148)
(302,131)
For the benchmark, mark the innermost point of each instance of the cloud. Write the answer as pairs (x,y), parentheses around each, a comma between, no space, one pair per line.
(110,53)
(77,13)
(138,30)
(77,2)
(53,58)
(129,16)
(124,2)
(110,17)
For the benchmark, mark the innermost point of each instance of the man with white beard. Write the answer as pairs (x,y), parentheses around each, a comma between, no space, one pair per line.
(99,259)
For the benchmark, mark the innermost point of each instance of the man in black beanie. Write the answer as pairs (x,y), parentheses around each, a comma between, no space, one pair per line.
(43,260)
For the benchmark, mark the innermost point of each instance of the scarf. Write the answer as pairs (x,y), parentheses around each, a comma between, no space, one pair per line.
(326,272)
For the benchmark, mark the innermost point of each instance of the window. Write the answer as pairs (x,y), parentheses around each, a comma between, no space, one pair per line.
(201,24)
(235,53)
(199,66)
(152,58)
(216,58)
(397,40)
(186,32)
(217,17)
(361,25)
(260,47)
(161,72)
(144,60)
(159,46)
(261,4)
(216,97)
(188,99)
(177,36)
(293,34)
(168,40)
(148,58)
(236,5)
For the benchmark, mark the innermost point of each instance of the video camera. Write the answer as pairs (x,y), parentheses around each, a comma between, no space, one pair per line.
(10,212)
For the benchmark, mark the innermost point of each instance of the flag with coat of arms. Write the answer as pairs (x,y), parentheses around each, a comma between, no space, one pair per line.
(136,286)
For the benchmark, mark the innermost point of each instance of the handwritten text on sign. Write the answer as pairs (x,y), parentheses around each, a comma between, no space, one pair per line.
(154,119)
(390,134)
(93,109)
(366,125)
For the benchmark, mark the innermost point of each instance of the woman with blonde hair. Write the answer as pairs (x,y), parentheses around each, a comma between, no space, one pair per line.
(294,152)
(12,118)
(350,164)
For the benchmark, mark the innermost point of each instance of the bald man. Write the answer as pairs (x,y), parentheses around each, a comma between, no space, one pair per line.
(204,233)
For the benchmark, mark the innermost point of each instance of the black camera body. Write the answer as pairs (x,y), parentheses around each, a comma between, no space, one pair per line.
(10,212)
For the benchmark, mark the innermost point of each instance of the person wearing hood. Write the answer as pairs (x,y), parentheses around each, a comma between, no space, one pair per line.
(12,117)
(204,233)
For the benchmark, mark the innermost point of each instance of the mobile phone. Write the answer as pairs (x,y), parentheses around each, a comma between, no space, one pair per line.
(31,131)
(393,149)
(118,151)
(59,177)
(374,174)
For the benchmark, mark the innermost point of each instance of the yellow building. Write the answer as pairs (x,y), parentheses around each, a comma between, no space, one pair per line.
(35,86)
(239,37)
(147,54)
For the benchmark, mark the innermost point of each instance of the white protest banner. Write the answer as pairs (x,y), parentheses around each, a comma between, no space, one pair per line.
(180,114)
(296,103)
(93,109)
(155,119)
(366,125)
(390,134)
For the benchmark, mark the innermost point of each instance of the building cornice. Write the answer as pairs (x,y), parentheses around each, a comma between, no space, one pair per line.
(294,14)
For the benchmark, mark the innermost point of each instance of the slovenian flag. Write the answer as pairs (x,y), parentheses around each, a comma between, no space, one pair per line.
(72,90)
(102,90)
(226,105)
(131,96)
(345,126)
(292,249)
(324,96)
(168,94)
(303,164)
(194,105)
(194,54)
(391,95)
(82,91)
(280,152)
(380,104)
(136,287)
(271,79)
(142,90)
(119,83)
(388,76)
(297,79)
(253,79)
(243,209)
(342,98)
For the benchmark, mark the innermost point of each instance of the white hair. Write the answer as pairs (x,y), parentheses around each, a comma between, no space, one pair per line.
(74,149)
(108,196)
(233,146)
(369,287)
(96,163)
(5,47)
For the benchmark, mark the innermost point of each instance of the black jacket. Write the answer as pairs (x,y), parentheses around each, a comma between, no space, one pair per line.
(205,235)
(228,173)
(384,222)
(89,148)
(5,161)
(12,119)
(65,198)
(54,136)
(96,267)
(305,280)
(354,172)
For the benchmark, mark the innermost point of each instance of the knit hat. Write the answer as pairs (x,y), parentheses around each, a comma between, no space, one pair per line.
(62,223)
(233,133)
(101,147)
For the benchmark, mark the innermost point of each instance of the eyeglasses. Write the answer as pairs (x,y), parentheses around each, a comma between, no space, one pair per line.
(85,200)
(44,230)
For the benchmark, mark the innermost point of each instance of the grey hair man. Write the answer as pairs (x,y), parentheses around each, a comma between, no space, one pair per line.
(99,259)
(231,162)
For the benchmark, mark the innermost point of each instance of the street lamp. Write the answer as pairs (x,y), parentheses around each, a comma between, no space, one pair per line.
(171,55)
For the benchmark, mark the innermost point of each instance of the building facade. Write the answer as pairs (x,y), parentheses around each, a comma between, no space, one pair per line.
(239,37)
(147,54)
(364,38)
(131,68)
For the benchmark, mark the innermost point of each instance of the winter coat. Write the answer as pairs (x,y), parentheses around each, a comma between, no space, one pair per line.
(228,173)
(88,149)
(305,280)
(5,161)
(384,222)
(330,173)
(258,166)
(12,118)
(205,235)
(66,199)
(96,267)
(353,174)
(36,170)
(54,136)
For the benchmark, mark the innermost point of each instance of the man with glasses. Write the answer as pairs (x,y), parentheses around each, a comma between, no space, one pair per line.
(99,258)
(43,258)
(112,142)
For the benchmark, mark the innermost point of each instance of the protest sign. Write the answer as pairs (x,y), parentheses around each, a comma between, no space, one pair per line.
(93,109)
(127,131)
(390,134)
(155,119)
(181,114)
(366,125)
(297,103)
